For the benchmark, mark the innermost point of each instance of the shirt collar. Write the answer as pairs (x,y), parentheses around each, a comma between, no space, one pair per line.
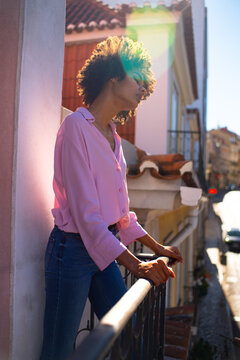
(86,114)
(113,125)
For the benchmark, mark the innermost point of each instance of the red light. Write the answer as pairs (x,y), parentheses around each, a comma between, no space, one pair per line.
(218,176)
(212,191)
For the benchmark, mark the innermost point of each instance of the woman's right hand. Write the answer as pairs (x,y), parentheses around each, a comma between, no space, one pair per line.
(156,271)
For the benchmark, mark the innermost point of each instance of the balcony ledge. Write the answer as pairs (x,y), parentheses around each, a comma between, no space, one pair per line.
(147,192)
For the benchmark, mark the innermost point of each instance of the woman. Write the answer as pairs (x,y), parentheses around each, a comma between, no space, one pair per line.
(91,201)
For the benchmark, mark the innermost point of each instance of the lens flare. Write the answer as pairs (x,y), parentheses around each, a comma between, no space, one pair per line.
(155,28)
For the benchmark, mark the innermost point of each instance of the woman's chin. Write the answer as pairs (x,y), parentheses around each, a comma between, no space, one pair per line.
(131,106)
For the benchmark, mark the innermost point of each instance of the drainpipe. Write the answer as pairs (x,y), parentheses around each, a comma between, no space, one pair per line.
(188,229)
(187,232)
(190,262)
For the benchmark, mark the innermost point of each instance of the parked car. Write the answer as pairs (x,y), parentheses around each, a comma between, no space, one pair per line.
(231,187)
(232,239)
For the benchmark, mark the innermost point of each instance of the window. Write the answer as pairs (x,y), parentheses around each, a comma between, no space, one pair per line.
(174,122)
(232,140)
(173,138)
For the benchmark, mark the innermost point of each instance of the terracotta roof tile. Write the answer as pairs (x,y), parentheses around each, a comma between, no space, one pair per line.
(165,167)
(178,331)
(180,310)
(181,340)
(174,351)
(165,170)
(91,14)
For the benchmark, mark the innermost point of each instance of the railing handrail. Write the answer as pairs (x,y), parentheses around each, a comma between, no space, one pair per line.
(97,344)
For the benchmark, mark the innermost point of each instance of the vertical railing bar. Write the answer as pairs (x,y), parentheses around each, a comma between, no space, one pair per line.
(139,334)
(153,319)
(145,334)
(156,323)
(149,334)
(162,322)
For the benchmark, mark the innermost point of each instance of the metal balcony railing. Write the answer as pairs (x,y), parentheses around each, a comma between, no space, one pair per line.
(133,329)
(186,142)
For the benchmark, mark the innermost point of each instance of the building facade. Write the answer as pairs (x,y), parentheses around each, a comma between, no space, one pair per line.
(223,156)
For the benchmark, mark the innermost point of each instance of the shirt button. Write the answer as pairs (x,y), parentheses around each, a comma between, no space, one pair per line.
(118,168)
(123,210)
(120,190)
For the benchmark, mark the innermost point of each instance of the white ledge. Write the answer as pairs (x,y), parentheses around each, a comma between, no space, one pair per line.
(147,192)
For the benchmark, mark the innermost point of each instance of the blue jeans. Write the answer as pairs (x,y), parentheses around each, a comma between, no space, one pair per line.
(70,277)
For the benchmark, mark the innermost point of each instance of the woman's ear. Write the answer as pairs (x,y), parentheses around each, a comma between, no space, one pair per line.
(113,81)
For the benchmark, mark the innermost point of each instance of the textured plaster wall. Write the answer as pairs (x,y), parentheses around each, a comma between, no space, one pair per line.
(9,40)
(198,13)
(38,117)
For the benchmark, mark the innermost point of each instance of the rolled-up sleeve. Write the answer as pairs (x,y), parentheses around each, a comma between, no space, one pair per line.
(83,202)
(133,231)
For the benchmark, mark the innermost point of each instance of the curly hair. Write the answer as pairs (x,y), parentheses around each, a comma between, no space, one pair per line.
(115,58)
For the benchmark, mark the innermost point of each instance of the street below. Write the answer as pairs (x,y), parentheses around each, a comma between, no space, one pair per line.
(214,321)
(231,287)
(226,215)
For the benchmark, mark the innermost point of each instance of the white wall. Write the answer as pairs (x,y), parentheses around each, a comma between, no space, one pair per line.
(198,13)
(95,35)
(38,117)
(152,115)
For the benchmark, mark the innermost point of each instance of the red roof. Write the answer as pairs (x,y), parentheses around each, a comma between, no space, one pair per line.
(165,167)
(90,14)
(178,331)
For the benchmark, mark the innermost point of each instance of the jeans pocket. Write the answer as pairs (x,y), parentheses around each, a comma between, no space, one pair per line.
(49,251)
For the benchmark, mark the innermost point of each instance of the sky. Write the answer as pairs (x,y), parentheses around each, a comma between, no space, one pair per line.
(223,100)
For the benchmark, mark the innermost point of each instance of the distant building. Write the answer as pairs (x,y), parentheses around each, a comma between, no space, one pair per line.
(223,158)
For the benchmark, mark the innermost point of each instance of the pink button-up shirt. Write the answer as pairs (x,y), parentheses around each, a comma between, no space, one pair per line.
(90,188)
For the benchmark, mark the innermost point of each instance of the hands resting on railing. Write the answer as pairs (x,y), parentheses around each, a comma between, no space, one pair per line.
(157,270)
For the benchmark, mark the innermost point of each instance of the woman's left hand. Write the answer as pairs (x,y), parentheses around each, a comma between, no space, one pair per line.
(168,251)
(172,252)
